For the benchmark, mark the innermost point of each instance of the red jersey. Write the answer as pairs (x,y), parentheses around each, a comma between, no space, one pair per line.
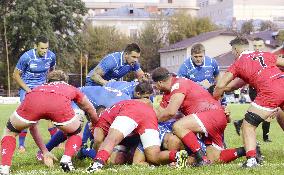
(50,101)
(141,113)
(196,100)
(256,68)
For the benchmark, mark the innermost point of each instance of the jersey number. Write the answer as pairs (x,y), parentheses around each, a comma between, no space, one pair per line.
(261,60)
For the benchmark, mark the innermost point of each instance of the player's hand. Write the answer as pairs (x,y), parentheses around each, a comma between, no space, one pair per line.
(205,83)
(48,158)
(274,114)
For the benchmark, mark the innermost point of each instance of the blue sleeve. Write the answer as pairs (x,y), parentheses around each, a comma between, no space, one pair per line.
(136,67)
(182,72)
(53,62)
(216,67)
(23,62)
(108,63)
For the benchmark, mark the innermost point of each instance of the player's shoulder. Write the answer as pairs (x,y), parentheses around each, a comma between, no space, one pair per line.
(50,54)
(28,54)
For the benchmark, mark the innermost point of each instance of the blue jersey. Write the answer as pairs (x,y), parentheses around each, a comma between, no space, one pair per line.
(103,95)
(209,70)
(114,67)
(33,68)
(124,86)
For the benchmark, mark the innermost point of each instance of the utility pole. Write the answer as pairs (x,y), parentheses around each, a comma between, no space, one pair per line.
(7,58)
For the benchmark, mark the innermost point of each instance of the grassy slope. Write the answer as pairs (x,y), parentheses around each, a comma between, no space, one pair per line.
(27,164)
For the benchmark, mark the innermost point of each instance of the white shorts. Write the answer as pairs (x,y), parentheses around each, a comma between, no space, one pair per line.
(124,124)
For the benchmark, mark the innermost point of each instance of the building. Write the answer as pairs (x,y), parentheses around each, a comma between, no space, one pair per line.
(229,12)
(129,17)
(216,45)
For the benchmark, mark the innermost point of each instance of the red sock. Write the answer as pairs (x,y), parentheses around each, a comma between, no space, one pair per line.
(102,155)
(251,153)
(23,134)
(190,140)
(228,155)
(52,131)
(72,145)
(172,155)
(8,146)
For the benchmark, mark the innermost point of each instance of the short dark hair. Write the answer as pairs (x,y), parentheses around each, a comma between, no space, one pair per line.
(160,74)
(41,39)
(132,47)
(144,88)
(197,48)
(258,39)
(57,75)
(239,41)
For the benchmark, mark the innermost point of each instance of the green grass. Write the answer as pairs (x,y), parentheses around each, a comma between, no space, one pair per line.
(24,164)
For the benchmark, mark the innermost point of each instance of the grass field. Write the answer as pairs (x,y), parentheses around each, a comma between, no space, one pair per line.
(26,163)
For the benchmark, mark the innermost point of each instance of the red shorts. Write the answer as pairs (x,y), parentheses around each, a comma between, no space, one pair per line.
(213,124)
(271,94)
(47,106)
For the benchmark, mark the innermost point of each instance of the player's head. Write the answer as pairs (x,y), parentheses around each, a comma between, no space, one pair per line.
(41,45)
(258,44)
(197,54)
(132,53)
(162,79)
(239,44)
(143,90)
(57,75)
(144,78)
(100,109)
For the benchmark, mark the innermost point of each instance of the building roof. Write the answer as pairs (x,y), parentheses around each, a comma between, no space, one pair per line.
(267,36)
(196,39)
(225,60)
(126,11)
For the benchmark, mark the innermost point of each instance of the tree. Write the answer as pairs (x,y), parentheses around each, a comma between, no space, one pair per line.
(280,37)
(247,27)
(100,41)
(59,20)
(267,25)
(183,26)
(151,38)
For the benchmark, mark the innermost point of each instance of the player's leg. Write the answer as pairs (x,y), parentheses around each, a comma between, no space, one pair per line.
(255,115)
(74,141)
(265,131)
(186,129)
(8,142)
(51,128)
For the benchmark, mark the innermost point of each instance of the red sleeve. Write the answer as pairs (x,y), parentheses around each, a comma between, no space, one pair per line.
(234,69)
(78,95)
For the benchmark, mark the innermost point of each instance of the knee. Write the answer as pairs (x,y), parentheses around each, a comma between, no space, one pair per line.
(174,143)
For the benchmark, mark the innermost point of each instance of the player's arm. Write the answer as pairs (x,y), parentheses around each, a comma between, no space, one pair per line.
(87,106)
(221,85)
(140,74)
(17,77)
(98,76)
(280,62)
(139,158)
(170,111)
(53,62)
(48,156)
(235,84)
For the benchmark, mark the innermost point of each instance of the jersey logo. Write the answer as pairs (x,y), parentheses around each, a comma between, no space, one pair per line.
(175,86)
(33,66)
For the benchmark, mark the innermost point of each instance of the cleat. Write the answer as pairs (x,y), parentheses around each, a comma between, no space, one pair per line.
(259,157)
(67,166)
(238,124)
(22,149)
(250,163)
(181,159)
(4,170)
(97,165)
(80,154)
(267,140)
(39,156)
